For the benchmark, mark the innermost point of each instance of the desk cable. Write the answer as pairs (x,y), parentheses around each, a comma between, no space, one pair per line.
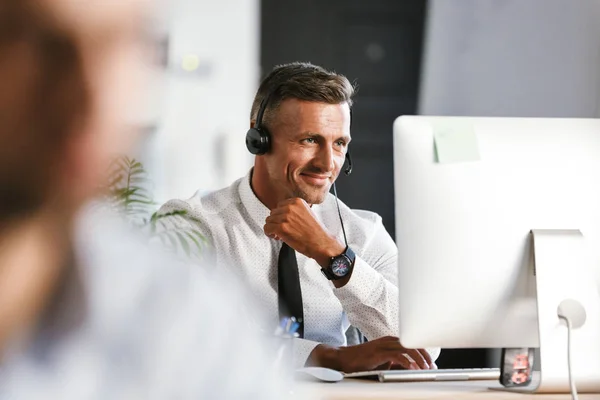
(569,363)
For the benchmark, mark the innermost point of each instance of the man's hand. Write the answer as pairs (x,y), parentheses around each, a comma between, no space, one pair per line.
(382,353)
(294,222)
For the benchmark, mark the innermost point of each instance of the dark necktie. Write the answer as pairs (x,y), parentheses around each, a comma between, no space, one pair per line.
(289,292)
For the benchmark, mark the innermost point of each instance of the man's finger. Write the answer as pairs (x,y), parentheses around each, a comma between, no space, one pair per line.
(271,229)
(414,354)
(289,209)
(273,236)
(418,358)
(274,231)
(280,210)
(292,200)
(420,354)
(403,361)
(391,343)
(385,366)
(381,356)
(426,356)
(276,219)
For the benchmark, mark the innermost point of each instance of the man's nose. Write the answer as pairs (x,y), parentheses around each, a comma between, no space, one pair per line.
(325,159)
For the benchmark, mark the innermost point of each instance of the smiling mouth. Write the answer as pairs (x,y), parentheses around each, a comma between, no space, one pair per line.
(315,179)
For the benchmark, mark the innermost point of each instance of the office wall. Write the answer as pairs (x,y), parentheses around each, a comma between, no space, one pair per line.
(205,96)
(536,58)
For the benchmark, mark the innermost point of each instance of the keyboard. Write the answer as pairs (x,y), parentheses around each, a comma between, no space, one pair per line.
(429,375)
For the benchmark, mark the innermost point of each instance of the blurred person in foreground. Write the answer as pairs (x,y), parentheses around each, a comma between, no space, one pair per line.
(85,311)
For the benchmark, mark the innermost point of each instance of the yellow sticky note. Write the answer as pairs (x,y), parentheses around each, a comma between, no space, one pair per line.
(455,141)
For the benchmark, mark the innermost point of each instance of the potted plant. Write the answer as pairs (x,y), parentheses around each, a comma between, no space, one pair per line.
(127,191)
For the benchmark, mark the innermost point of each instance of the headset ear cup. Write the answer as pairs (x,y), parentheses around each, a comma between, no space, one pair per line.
(257,141)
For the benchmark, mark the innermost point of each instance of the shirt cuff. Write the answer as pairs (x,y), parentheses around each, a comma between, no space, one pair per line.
(302,350)
(434,352)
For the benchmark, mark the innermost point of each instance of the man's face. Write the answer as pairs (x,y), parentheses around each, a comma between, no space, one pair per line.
(309,145)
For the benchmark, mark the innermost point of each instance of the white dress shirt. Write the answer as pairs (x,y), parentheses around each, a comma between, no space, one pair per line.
(233,219)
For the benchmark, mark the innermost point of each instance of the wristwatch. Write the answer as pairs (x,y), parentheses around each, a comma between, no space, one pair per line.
(340,266)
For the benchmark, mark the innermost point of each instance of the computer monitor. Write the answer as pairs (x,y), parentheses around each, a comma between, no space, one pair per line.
(468,193)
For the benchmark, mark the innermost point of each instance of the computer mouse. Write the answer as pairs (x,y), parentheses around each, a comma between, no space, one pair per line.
(319,373)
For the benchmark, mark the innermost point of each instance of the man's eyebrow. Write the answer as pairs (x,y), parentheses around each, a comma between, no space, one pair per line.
(317,135)
(308,134)
(345,138)
(311,134)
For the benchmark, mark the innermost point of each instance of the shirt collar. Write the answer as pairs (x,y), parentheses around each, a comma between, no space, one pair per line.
(257,211)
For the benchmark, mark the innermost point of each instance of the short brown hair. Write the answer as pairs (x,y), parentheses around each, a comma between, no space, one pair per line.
(302,81)
(43,97)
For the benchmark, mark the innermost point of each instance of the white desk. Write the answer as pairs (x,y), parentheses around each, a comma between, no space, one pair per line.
(357,389)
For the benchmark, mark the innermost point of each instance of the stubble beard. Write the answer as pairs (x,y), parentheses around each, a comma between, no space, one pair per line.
(315,196)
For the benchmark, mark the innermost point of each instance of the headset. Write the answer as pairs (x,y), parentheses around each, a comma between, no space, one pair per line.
(258,138)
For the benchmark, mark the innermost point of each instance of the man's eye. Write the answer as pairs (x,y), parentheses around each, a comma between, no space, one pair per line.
(341,143)
(310,140)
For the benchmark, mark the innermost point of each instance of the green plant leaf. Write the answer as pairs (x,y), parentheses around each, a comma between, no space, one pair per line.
(172,240)
(126,188)
(193,239)
(115,179)
(199,235)
(184,243)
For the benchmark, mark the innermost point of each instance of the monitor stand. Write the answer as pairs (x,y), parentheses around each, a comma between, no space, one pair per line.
(563,271)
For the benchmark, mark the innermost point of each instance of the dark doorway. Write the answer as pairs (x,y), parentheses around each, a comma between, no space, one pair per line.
(378,44)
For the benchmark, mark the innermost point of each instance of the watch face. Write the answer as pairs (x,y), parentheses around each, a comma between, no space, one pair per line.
(340,266)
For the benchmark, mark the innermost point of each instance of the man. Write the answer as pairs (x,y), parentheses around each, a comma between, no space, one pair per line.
(284,202)
(86,312)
